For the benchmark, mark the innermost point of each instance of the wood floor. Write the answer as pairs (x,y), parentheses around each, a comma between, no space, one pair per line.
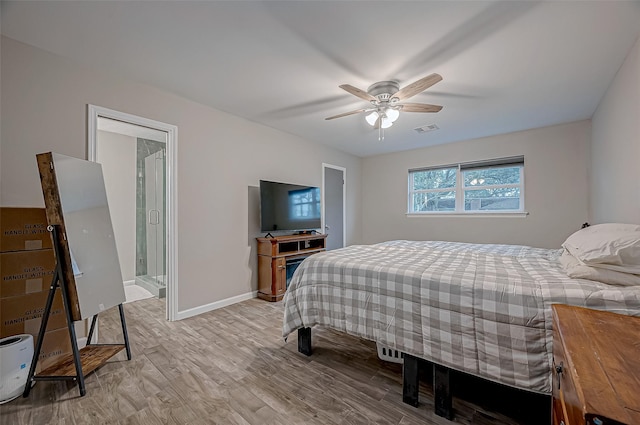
(231,366)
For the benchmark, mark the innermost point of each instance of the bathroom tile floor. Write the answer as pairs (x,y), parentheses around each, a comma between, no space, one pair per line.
(136,293)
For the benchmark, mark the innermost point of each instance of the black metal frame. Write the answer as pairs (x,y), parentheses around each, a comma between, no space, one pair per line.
(410,379)
(58,281)
(442,394)
(442,398)
(304,341)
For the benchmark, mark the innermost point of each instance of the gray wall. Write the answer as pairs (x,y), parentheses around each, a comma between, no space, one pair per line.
(615,148)
(44,107)
(555,189)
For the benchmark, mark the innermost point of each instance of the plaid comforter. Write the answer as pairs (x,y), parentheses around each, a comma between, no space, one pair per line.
(480,309)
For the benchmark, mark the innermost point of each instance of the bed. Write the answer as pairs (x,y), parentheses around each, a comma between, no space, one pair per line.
(480,309)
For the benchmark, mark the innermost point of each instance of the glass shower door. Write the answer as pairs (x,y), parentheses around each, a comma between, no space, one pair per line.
(154,167)
(152,234)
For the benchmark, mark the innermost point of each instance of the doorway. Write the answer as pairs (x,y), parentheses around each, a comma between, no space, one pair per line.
(138,160)
(334,205)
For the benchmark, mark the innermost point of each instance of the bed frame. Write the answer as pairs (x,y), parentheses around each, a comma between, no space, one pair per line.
(537,268)
(442,398)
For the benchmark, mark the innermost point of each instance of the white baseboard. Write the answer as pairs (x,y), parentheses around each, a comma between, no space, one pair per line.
(129,282)
(215,305)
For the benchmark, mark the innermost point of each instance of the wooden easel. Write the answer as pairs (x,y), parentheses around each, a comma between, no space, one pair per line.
(71,186)
(79,363)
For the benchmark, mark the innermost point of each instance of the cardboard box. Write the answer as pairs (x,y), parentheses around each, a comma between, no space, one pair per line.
(55,345)
(23,229)
(23,314)
(26,272)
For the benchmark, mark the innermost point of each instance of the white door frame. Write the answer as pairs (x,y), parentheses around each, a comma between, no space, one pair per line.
(171,195)
(344,200)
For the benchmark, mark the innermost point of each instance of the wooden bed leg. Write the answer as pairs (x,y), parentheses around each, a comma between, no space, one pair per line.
(410,380)
(442,391)
(304,341)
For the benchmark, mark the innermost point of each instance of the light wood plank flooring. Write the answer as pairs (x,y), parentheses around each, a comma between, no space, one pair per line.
(231,366)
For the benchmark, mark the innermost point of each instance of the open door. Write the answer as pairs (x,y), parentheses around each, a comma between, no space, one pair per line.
(334,197)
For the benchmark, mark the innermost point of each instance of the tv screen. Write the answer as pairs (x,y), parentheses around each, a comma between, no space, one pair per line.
(285,206)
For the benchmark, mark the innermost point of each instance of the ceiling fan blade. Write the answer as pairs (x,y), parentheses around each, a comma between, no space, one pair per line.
(417,87)
(358,92)
(419,107)
(345,114)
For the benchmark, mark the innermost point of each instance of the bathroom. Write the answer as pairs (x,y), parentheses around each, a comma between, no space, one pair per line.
(133,159)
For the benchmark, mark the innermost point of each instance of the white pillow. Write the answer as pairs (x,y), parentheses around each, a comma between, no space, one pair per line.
(574,269)
(612,227)
(612,246)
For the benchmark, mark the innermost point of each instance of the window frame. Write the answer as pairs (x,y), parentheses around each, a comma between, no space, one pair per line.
(453,189)
(460,188)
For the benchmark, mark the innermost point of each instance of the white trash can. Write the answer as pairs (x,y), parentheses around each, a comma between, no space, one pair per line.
(16,353)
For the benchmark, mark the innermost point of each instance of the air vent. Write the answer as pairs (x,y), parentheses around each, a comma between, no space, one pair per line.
(426,128)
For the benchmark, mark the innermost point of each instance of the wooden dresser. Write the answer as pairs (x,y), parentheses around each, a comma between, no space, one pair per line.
(278,257)
(596,361)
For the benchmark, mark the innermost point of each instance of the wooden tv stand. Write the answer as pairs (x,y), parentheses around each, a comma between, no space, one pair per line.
(273,256)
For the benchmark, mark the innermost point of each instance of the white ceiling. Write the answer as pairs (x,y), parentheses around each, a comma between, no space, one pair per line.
(507,65)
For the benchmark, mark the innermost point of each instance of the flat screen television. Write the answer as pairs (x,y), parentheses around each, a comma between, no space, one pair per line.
(288,207)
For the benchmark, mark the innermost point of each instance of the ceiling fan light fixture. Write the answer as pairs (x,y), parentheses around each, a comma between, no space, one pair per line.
(372,118)
(387,99)
(392,114)
(387,117)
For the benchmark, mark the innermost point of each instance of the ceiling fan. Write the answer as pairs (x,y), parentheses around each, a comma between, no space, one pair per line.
(387,100)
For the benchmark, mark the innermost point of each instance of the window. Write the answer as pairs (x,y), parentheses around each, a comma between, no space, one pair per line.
(433,190)
(474,187)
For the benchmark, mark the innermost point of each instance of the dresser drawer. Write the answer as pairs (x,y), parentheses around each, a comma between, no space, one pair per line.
(559,409)
(565,399)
